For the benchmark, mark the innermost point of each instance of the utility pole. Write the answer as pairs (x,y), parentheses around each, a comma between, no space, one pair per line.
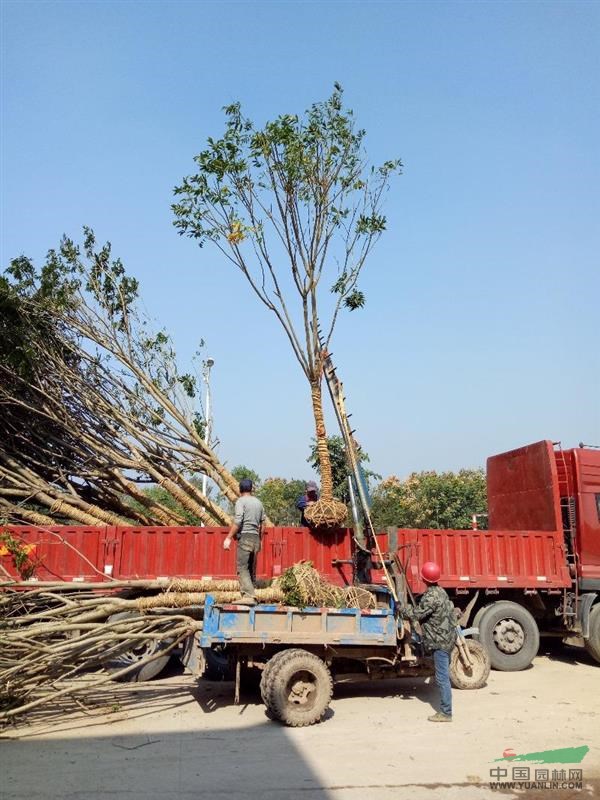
(208,364)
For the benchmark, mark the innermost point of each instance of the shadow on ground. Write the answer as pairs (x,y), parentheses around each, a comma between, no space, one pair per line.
(247,762)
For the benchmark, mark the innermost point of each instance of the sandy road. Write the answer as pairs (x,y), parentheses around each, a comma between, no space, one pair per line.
(172,739)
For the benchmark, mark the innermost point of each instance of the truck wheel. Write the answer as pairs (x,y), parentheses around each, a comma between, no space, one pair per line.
(470,677)
(510,634)
(478,617)
(592,645)
(147,648)
(298,688)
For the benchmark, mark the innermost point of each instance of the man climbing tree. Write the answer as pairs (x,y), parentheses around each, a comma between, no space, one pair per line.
(292,205)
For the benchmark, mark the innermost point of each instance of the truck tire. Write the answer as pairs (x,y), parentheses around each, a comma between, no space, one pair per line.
(592,644)
(298,688)
(478,617)
(475,676)
(148,648)
(510,634)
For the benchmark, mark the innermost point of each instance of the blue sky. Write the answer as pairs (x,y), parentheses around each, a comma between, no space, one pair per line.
(480,331)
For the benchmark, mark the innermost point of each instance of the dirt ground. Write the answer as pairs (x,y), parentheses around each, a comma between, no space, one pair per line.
(172,738)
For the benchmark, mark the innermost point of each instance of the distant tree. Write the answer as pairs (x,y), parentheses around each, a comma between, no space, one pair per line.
(293,205)
(339,466)
(431,500)
(279,497)
(240,472)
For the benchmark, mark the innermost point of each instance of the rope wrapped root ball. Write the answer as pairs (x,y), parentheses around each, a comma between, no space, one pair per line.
(326,513)
(359,597)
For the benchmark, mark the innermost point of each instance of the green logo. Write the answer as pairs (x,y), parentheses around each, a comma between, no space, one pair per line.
(564,755)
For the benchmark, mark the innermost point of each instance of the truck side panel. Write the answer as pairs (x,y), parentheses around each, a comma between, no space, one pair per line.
(587,479)
(64,552)
(130,553)
(271,624)
(484,559)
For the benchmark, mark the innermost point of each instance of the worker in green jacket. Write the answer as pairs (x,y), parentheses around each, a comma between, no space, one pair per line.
(437,618)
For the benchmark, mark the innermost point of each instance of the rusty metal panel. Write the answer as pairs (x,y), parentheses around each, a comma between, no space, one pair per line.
(63,552)
(282,624)
(523,489)
(484,559)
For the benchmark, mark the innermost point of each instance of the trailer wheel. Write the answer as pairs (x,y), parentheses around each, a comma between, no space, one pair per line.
(297,689)
(147,648)
(510,634)
(592,644)
(265,679)
(474,676)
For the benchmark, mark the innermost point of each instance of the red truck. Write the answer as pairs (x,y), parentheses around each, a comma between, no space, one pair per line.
(536,570)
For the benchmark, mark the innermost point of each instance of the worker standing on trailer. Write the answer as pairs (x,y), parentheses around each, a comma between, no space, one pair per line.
(247,528)
(435,613)
(311,496)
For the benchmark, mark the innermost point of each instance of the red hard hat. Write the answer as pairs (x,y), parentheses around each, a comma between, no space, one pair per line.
(430,572)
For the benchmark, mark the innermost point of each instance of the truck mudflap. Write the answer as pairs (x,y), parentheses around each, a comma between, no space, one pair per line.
(586,601)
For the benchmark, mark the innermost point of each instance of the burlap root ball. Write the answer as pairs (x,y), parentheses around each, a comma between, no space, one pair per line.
(326,513)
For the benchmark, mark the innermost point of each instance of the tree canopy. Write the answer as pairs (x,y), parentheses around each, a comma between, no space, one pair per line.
(431,500)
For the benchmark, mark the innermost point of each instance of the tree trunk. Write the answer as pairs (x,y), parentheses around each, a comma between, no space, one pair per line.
(321,437)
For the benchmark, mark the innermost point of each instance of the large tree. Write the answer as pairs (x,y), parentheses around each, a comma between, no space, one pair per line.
(94,406)
(296,208)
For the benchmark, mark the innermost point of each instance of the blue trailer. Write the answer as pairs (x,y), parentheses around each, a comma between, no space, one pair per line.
(299,652)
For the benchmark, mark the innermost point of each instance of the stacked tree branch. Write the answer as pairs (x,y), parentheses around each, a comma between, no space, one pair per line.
(52,634)
(94,408)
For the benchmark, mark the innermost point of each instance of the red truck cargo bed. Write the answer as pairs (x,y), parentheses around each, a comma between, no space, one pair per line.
(105,552)
(484,559)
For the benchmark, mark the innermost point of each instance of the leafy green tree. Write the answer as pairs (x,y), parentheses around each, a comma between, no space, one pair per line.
(293,206)
(430,500)
(339,466)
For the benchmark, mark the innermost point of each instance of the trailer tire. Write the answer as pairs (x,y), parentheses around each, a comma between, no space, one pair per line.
(298,688)
(592,644)
(463,677)
(265,679)
(510,634)
(147,671)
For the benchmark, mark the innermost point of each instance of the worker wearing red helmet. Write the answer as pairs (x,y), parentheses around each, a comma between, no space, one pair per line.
(435,613)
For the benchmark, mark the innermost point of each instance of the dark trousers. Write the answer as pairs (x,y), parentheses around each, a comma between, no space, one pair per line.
(441,661)
(247,554)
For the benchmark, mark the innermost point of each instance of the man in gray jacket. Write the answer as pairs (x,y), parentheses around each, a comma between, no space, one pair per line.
(247,528)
